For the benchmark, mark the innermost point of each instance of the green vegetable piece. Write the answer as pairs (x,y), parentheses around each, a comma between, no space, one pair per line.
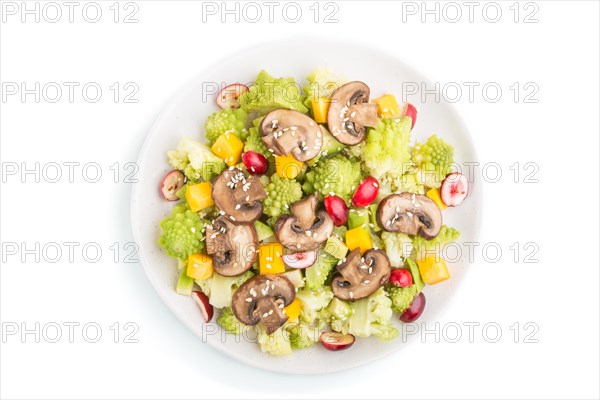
(295,276)
(402,297)
(269,93)
(317,274)
(228,120)
(373,215)
(263,231)
(336,248)
(338,175)
(182,233)
(230,323)
(281,192)
(339,309)
(358,217)
(185,284)
(416,274)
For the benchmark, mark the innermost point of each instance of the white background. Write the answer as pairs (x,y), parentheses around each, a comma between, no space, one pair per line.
(166,48)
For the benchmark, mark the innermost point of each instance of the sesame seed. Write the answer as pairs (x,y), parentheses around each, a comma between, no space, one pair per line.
(249,299)
(366,281)
(265,315)
(238,206)
(222,212)
(232,217)
(351,295)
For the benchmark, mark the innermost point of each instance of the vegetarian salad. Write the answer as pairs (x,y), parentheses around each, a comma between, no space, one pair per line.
(309,217)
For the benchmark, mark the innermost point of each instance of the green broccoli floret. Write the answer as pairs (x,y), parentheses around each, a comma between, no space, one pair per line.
(230,323)
(278,343)
(321,83)
(182,233)
(281,192)
(196,160)
(372,316)
(338,175)
(398,247)
(269,93)
(402,297)
(228,120)
(423,248)
(433,161)
(317,274)
(386,149)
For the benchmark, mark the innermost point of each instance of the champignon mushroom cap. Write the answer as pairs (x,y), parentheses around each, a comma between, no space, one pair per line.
(291,132)
(262,299)
(350,112)
(359,276)
(233,246)
(240,198)
(414,214)
(306,228)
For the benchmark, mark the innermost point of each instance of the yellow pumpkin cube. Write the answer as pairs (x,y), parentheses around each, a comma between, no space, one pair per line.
(288,167)
(270,259)
(388,106)
(229,148)
(433,269)
(358,238)
(293,310)
(434,194)
(199,266)
(320,109)
(199,196)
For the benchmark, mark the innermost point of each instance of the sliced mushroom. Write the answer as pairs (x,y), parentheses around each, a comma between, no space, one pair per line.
(350,113)
(233,246)
(238,197)
(306,229)
(414,214)
(291,132)
(361,276)
(262,299)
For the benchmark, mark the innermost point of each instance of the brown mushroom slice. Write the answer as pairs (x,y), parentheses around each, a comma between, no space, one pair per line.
(359,276)
(350,113)
(413,214)
(262,299)
(291,132)
(232,246)
(239,198)
(306,228)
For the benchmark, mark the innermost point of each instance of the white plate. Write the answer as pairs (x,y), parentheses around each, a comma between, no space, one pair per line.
(186,115)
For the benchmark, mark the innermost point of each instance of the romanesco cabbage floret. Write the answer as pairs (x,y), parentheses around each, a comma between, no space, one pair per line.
(281,192)
(402,297)
(398,247)
(433,161)
(313,301)
(338,175)
(372,316)
(255,143)
(278,343)
(303,334)
(228,120)
(196,160)
(230,323)
(386,149)
(317,274)
(269,93)
(423,248)
(182,233)
(321,83)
